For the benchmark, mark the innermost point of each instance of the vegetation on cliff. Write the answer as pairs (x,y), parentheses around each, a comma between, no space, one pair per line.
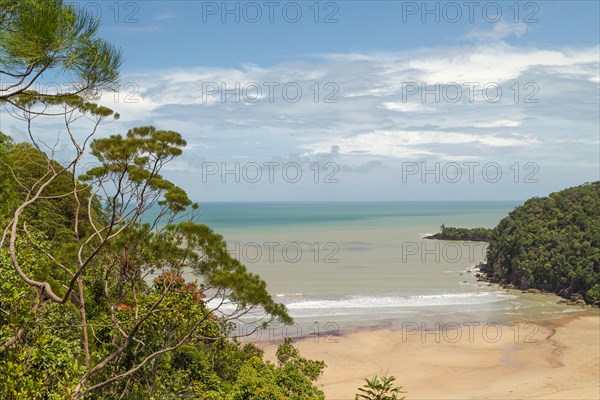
(94,304)
(550,243)
(470,234)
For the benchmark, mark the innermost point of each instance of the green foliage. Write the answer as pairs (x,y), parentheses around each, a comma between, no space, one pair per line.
(7,192)
(220,269)
(38,36)
(551,243)
(136,160)
(378,388)
(292,380)
(44,363)
(6,142)
(471,234)
(139,272)
(288,355)
(594,293)
(94,304)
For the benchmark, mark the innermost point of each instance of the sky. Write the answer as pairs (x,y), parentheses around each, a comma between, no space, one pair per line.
(361,100)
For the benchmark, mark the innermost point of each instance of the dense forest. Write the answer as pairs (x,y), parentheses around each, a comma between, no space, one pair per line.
(94,303)
(551,243)
(118,332)
(471,234)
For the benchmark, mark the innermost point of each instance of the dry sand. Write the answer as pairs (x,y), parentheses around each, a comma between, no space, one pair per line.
(557,359)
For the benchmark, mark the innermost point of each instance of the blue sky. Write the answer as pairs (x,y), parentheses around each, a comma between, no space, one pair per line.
(176,33)
(394,98)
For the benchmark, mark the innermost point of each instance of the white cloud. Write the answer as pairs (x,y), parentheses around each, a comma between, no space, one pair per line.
(165,16)
(500,31)
(497,124)
(403,106)
(498,63)
(372,117)
(378,76)
(410,144)
(373,121)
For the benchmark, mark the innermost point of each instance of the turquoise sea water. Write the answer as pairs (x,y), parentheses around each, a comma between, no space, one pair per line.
(366,263)
(321,215)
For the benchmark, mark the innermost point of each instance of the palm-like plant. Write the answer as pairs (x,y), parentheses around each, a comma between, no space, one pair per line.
(378,388)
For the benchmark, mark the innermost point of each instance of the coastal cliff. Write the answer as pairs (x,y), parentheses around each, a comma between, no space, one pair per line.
(550,243)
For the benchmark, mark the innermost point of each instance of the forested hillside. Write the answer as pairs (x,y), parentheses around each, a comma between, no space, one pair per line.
(551,243)
(115,331)
(94,303)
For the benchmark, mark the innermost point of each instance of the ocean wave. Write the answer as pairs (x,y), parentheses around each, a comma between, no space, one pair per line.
(399,301)
(375,305)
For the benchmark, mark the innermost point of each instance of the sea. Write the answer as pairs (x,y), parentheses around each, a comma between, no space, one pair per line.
(340,266)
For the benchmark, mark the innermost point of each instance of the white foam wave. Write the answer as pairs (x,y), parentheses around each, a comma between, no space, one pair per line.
(397,301)
(358,305)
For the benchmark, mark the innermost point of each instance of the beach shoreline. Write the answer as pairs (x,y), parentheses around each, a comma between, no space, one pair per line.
(556,358)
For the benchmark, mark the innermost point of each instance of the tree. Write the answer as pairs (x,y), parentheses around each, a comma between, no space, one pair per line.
(94,302)
(378,388)
(102,267)
(48,36)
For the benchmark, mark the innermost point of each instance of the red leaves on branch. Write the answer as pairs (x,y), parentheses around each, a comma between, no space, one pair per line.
(178,284)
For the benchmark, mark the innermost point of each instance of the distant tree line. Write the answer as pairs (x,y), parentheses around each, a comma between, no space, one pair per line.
(471,234)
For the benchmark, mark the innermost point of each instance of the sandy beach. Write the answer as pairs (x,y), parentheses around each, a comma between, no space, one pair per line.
(553,359)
